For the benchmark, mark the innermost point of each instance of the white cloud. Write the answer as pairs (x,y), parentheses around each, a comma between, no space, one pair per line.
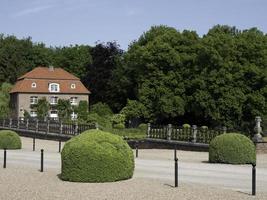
(32,10)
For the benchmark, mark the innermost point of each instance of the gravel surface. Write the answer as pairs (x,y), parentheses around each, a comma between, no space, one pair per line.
(153,178)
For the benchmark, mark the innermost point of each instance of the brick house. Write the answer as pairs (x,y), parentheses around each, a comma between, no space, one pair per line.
(51,83)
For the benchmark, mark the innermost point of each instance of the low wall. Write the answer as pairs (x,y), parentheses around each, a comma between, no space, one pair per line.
(167,144)
(261,147)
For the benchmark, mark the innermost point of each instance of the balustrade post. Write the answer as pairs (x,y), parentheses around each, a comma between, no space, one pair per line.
(10,123)
(169,132)
(194,134)
(96,126)
(37,125)
(224,129)
(258,130)
(148,130)
(27,123)
(3,122)
(18,123)
(48,123)
(76,128)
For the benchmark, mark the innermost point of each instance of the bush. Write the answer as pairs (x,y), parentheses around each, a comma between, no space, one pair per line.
(118,119)
(142,127)
(101,109)
(9,140)
(119,126)
(232,148)
(96,156)
(186,126)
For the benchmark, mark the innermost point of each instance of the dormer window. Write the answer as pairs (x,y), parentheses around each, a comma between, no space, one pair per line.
(33,85)
(54,87)
(73,86)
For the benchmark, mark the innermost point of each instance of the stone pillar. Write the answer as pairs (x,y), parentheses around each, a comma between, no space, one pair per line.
(148,130)
(258,130)
(169,132)
(96,126)
(194,135)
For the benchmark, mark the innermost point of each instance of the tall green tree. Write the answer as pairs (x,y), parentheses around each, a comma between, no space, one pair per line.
(64,109)
(42,108)
(4,100)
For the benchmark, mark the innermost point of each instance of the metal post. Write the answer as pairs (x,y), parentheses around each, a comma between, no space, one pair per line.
(33,143)
(253,179)
(4,158)
(42,160)
(175,169)
(59,146)
(148,130)
(136,150)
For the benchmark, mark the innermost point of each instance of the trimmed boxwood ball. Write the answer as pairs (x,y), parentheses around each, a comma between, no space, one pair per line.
(9,140)
(96,156)
(232,148)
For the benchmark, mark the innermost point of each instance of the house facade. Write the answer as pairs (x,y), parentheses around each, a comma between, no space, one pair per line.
(50,83)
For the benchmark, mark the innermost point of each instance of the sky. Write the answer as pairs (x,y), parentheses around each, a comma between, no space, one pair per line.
(70,22)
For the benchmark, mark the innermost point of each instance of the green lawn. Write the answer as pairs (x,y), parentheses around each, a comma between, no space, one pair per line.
(130,133)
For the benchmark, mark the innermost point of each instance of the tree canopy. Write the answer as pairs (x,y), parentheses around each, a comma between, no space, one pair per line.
(165,76)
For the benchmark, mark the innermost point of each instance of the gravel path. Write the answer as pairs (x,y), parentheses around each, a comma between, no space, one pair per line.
(153,177)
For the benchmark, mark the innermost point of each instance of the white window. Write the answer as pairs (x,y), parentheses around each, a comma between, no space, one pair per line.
(54,87)
(33,85)
(53,100)
(73,115)
(33,113)
(53,114)
(73,101)
(33,100)
(73,86)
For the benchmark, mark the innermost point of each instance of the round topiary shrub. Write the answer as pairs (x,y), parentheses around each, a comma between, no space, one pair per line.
(119,126)
(232,148)
(96,156)
(9,140)
(142,127)
(186,126)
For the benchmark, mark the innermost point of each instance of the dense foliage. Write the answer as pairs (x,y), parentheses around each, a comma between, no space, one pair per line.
(232,148)
(165,76)
(96,156)
(4,100)
(9,140)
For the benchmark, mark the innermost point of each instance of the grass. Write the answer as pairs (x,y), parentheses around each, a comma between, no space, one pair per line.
(129,133)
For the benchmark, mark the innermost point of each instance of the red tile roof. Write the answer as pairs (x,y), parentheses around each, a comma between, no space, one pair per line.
(45,73)
(43,77)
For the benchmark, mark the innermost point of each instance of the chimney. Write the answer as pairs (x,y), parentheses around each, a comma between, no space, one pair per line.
(51,68)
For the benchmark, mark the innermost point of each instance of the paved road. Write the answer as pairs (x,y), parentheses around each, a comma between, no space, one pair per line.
(158,164)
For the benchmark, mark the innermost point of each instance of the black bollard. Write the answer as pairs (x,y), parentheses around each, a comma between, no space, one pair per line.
(42,160)
(253,179)
(4,158)
(175,169)
(33,143)
(136,150)
(59,146)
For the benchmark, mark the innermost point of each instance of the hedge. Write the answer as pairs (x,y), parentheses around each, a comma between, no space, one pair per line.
(232,148)
(96,156)
(9,140)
